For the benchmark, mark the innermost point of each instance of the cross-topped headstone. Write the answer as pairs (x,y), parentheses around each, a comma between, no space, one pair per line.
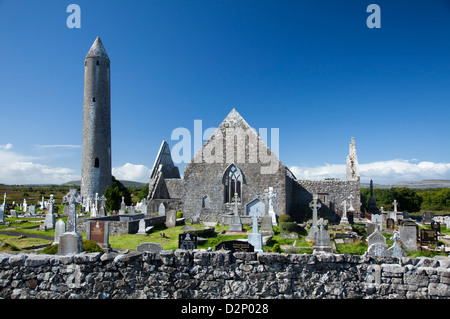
(236,224)
(270,196)
(71,242)
(395,205)
(315,206)
(72,200)
(255,214)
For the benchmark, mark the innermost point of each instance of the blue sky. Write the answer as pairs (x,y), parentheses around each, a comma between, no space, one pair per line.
(313,70)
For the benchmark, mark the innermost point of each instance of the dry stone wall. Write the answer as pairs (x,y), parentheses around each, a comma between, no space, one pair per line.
(221,274)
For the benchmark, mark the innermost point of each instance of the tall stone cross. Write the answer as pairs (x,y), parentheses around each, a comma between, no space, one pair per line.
(236,200)
(51,201)
(395,205)
(72,199)
(315,206)
(351,209)
(4,201)
(255,215)
(345,206)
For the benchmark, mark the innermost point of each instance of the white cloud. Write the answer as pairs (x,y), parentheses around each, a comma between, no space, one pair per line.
(8,146)
(20,169)
(131,172)
(382,172)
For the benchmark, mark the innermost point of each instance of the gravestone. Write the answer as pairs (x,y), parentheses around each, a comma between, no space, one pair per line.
(71,242)
(436,226)
(428,236)
(322,239)
(235,224)
(32,210)
(122,206)
(396,250)
(270,196)
(376,244)
(315,205)
(344,219)
(151,247)
(98,232)
(60,228)
(187,241)
(408,236)
(235,246)
(427,217)
(2,213)
(378,219)
(142,231)
(13,213)
(102,209)
(171,218)
(162,210)
(390,223)
(370,228)
(267,226)
(144,206)
(50,219)
(255,238)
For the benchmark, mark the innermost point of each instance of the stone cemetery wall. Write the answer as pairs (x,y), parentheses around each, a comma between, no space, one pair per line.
(220,274)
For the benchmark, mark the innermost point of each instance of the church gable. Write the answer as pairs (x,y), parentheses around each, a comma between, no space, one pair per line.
(235,141)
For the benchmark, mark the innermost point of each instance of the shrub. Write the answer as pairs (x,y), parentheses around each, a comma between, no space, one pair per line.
(276,248)
(288,227)
(284,219)
(180,215)
(90,246)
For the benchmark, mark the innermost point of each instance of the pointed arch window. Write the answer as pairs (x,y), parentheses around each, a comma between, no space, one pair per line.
(232,183)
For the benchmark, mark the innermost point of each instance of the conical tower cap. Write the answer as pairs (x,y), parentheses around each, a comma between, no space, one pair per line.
(97,50)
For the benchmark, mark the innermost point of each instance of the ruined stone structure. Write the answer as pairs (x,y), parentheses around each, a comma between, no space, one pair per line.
(235,160)
(96,149)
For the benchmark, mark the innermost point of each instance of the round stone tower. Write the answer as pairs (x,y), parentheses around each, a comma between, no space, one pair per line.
(96,156)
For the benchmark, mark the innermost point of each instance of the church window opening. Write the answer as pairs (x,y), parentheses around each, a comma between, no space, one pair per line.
(98,63)
(232,182)
(97,162)
(93,99)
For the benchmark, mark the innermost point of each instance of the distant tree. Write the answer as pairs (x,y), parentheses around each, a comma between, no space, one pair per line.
(115,193)
(408,200)
(143,193)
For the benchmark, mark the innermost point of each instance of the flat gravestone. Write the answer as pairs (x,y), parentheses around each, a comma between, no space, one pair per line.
(428,235)
(151,247)
(235,246)
(427,217)
(98,232)
(162,210)
(187,241)
(390,223)
(436,226)
(171,218)
(408,237)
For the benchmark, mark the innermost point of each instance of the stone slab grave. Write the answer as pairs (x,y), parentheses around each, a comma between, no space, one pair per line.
(235,246)
(151,247)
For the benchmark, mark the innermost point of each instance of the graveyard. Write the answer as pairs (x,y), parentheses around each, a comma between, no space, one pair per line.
(288,236)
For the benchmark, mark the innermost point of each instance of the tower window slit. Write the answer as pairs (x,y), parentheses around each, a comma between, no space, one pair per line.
(97,162)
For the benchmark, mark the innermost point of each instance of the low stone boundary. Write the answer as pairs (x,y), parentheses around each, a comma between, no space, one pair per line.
(220,274)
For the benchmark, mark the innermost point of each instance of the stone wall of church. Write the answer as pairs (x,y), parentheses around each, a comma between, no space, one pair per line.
(331,194)
(202,179)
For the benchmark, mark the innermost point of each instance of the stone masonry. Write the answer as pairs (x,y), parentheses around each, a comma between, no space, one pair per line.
(221,274)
